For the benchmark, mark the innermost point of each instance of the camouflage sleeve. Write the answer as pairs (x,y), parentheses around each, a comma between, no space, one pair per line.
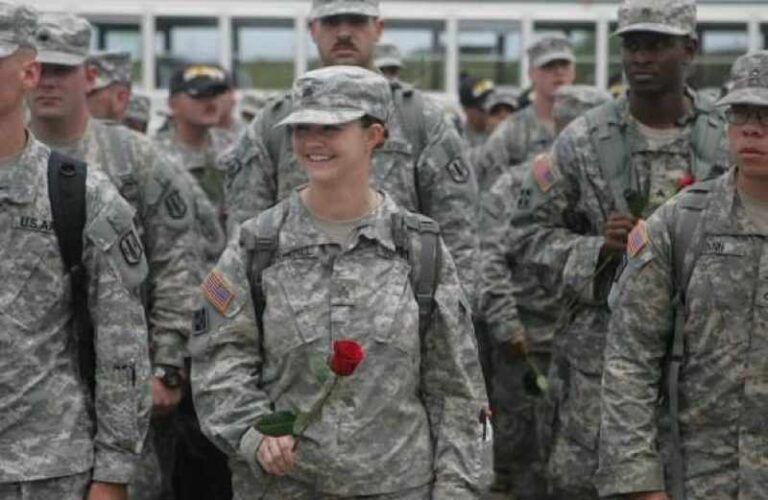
(639,333)
(173,263)
(503,149)
(497,300)
(226,359)
(115,263)
(448,192)
(251,173)
(453,392)
(548,231)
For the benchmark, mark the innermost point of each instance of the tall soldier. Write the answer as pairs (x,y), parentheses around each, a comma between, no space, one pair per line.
(111,92)
(422,165)
(693,297)
(64,435)
(532,130)
(617,163)
(60,118)
(520,314)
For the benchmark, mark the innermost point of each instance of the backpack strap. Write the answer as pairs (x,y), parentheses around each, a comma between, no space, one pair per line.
(409,104)
(66,192)
(610,142)
(692,206)
(424,258)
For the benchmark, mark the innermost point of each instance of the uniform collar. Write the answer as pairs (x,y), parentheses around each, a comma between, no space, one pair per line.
(698,107)
(299,230)
(18,181)
(725,214)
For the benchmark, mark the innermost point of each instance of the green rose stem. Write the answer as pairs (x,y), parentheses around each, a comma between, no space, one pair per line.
(301,425)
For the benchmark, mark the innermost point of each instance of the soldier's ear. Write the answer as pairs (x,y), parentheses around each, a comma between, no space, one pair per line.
(691,46)
(90,77)
(30,72)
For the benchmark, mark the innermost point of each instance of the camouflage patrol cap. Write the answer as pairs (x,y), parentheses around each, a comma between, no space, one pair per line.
(668,17)
(502,97)
(550,48)
(18,25)
(252,102)
(749,81)
(572,101)
(387,55)
(339,94)
(111,67)
(138,108)
(63,39)
(327,8)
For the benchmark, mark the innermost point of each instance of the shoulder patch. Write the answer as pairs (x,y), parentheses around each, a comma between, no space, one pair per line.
(200,323)
(218,291)
(130,247)
(175,204)
(544,172)
(458,171)
(637,239)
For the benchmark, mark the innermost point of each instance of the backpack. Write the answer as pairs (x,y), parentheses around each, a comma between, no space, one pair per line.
(692,206)
(607,135)
(66,192)
(407,228)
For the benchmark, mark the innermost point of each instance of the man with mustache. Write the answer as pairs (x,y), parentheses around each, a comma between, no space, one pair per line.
(694,292)
(607,169)
(422,165)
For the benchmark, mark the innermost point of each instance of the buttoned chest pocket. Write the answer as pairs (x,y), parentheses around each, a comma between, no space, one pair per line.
(394,172)
(34,285)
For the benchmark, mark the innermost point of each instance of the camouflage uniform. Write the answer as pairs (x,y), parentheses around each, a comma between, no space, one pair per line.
(523,135)
(138,108)
(722,383)
(111,68)
(514,301)
(408,418)
(51,445)
(439,182)
(558,233)
(387,55)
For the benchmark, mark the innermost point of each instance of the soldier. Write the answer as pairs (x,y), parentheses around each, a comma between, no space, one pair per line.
(405,425)
(137,114)
(388,60)
(64,434)
(60,118)
(617,163)
(500,105)
(532,130)
(195,142)
(228,121)
(521,315)
(691,303)
(473,93)
(111,92)
(251,104)
(422,165)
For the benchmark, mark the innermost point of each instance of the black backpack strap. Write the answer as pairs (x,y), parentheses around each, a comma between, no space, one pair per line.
(66,191)
(424,259)
(685,242)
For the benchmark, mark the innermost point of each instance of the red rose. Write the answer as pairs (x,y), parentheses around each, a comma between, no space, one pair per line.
(684,181)
(347,354)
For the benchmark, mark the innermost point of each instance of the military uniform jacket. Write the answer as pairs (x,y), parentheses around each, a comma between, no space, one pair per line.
(557,231)
(45,427)
(165,220)
(439,183)
(407,417)
(518,138)
(724,378)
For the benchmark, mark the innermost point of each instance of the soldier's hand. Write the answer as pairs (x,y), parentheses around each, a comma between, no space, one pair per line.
(617,228)
(276,455)
(107,491)
(164,399)
(649,495)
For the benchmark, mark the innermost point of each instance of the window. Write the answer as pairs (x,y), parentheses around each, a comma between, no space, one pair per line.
(263,53)
(119,38)
(765,36)
(584,41)
(180,41)
(492,50)
(422,44)
(719,46)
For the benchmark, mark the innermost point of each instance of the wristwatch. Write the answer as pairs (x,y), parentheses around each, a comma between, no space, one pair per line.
(170,376)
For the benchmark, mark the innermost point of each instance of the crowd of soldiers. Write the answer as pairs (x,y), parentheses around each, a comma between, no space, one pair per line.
(610,249)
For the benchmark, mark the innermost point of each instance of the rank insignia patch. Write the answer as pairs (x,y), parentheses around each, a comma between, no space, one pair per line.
(637,239)
(543,172)
(218,291)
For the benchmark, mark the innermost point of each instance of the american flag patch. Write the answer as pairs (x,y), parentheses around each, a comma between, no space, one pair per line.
(637,239)
(218,291)
(543,173)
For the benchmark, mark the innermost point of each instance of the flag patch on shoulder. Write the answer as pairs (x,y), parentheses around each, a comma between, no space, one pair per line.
(218,291)
(637,240)
(544,173)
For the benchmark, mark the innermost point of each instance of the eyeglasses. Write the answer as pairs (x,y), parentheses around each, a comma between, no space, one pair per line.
(740,115)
